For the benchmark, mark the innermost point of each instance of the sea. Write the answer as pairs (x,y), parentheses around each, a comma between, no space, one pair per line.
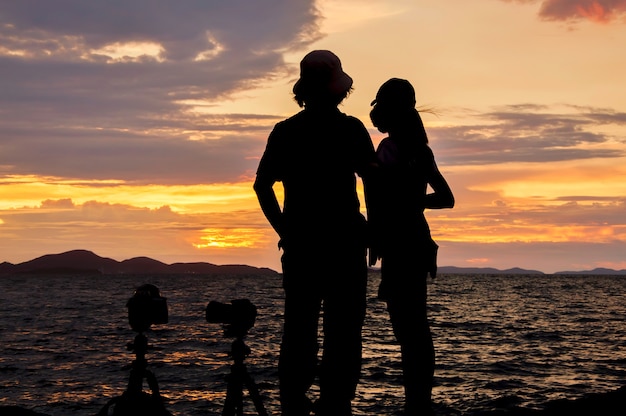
(502,342)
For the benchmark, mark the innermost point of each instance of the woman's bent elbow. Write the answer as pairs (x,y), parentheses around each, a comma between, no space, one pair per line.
(451,202)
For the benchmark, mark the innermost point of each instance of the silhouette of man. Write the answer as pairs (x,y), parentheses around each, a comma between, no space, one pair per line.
(316,154)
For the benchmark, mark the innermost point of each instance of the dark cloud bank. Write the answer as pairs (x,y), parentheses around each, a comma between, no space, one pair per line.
(71,110)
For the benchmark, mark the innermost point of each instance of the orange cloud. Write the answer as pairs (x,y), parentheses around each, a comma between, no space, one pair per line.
(600,11)
(479,261)
(595,11)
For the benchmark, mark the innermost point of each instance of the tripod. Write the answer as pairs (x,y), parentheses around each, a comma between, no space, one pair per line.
(237,379)
(134,401)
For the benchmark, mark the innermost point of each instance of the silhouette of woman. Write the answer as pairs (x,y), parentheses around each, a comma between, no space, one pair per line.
(402,240)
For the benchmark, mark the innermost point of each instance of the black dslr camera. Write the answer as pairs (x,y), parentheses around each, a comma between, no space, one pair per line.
(238,316)
(146,307)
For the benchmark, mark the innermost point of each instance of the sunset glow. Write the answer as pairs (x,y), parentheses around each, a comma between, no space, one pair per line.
(145,142)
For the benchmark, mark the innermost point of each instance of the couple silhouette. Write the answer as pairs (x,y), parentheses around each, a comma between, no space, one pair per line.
(317,154)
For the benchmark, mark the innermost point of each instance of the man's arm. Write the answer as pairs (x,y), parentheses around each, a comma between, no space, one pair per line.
(264,189)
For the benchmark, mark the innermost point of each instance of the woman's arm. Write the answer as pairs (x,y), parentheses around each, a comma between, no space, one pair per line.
(442,196)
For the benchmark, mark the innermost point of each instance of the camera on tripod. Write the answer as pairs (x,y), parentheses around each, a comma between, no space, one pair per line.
(146,307)
(237,317)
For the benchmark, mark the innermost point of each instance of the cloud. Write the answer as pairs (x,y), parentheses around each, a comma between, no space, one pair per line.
(161,155)
(530,133)
(600,11)
(95,88)
(122,231)
(183,28)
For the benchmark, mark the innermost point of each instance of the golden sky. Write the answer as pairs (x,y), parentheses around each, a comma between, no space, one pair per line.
(136,131)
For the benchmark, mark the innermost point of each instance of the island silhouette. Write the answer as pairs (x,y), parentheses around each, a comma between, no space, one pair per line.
(87,262)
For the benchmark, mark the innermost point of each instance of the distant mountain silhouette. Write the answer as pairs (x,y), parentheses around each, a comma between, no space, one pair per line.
(597,271)
(517,270)
(87,262)
(484,270)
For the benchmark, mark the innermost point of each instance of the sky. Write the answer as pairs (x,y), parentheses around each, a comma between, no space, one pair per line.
(134,127)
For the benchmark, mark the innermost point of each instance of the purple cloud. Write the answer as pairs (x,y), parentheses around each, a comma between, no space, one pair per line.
(528,133)
(71,108)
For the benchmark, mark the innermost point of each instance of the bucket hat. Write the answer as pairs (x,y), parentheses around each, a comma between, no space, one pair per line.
(321,69)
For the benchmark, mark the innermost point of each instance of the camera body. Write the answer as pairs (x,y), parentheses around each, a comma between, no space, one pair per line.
(238,316)
(146,307)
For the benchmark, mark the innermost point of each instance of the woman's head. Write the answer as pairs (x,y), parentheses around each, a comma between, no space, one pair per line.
(322,80)
(394,109)
(395,93)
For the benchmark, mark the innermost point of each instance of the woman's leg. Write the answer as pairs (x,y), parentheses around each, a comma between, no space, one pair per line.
(406,303)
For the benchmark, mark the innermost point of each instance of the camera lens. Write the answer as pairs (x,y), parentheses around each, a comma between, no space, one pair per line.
(238,316)
(218,312)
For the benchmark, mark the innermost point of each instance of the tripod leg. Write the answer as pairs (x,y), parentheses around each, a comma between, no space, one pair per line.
(234,396)
(254,395)
(153,384)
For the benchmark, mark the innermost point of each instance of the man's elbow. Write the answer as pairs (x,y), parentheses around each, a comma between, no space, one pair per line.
(256,186)
(263,189)
(259,186)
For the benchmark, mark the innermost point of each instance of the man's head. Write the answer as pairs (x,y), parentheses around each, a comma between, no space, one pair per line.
(321,79)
